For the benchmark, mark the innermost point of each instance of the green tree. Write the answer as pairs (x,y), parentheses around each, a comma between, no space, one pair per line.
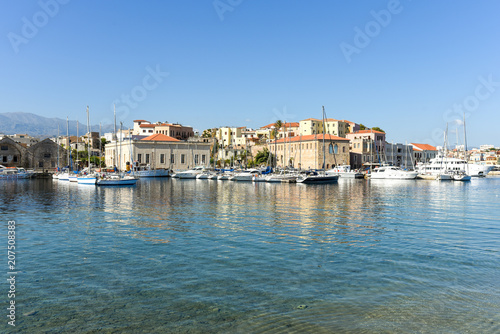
(362,127)
(376,128)
(262,157)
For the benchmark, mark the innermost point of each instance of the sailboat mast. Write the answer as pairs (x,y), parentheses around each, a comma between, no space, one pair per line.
(324,147)
(465,147)
(120,152)
(114,137)
(100,147)
(88,138)
(58,146)
(69,143)
(77,137)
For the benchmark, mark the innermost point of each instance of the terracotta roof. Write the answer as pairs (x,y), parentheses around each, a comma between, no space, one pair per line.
(344,120)
(369,131)
(288,125)
(147,125)
(310,137)
(311,119)
(140,120)
(160,137)
(423,147)
(332,120)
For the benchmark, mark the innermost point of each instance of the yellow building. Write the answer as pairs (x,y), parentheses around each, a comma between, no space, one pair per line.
(306,152)
(228,136)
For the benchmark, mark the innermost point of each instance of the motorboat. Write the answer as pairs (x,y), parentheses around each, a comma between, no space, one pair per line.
(345,171)
(116,180)
(207,174)
(147,171)
(15,173)
(259,178)
(315,177)
(392,172)
(245,175)
(225,176)
(282,176)
(190,174)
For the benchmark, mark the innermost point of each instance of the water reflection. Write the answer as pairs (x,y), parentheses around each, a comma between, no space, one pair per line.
(209,256)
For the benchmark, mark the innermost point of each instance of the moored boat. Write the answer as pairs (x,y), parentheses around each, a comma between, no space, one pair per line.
(392,172)
(344,171)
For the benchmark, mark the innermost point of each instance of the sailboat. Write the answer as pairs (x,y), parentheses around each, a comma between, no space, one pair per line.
(463,175)
(88,178)
(117,179)
(64,175)
(321,176)
(444,174)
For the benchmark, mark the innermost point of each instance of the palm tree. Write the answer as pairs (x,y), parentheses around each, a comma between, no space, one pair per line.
(277,127)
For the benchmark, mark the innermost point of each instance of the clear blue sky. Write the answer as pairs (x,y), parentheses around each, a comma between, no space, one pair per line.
(248,63)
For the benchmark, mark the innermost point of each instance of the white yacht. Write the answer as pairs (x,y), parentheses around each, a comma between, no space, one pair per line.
(15,173)
(345,171)
(442,165)
(190,174)
(392,172)
(207,175)
(283,176)
(245,175)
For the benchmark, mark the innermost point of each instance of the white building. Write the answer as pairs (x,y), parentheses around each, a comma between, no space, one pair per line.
(158,151)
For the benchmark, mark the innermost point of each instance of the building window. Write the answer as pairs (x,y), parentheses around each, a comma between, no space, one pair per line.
(46,155)
(147,158)
(139,158)
(4,158)
(196,159)
(183,158)
(203,159)
(40,164)
(162,158)
(5,148)
(172,158)
(15,158)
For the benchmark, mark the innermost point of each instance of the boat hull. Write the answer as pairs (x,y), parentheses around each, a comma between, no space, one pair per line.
(121,182)
(87,180)
(317,179)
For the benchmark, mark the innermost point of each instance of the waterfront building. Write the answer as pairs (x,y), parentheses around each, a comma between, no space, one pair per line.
(332,126)
(423,152)
(40,156)
(44,156)
(24,139)
(399,155)
(352,127)
(336,127)
(174,130)
(310,126)
(367,147)
(306,152)
(227,136)
(13,154)
(158,151)
(486,147)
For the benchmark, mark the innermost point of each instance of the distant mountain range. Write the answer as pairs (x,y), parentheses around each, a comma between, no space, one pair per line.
(42,127)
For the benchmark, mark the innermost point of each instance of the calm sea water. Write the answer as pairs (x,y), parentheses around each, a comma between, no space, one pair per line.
(199,256)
